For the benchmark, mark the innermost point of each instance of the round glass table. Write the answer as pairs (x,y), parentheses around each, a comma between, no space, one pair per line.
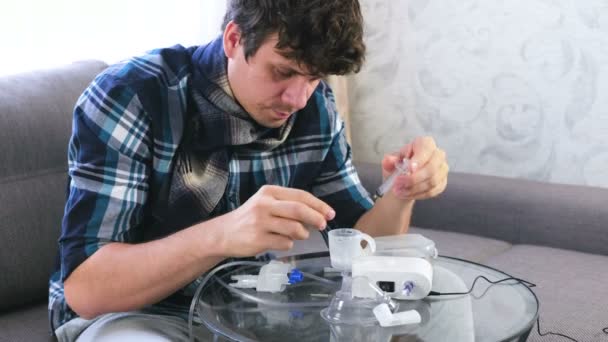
(501,312)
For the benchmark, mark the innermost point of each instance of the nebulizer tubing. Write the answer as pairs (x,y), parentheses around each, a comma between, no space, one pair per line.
(208,276)
(247,295)
(258,300)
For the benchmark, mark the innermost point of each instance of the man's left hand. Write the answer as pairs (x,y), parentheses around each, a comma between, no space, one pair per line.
(428,170)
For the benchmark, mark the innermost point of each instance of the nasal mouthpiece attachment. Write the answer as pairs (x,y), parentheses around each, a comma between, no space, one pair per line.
(388,319)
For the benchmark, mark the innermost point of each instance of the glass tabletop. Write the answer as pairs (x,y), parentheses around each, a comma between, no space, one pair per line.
(501,312)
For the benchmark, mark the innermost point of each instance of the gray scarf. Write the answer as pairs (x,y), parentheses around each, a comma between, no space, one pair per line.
(216,126)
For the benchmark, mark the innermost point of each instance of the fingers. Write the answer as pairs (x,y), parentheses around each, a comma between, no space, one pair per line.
(406,151)
(431,173)
(430,179)
(288,228)
(389,161)
(422,150)
(299,212)
(419,152)
(433,186)
(273,218)
(432,192)
(303,197)
(278,242)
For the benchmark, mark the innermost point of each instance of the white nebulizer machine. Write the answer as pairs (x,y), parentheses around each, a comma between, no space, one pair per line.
(391,267)
(374,280)
(408,278)
(401,266)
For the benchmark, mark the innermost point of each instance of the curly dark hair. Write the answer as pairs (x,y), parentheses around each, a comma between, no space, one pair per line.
(325,36)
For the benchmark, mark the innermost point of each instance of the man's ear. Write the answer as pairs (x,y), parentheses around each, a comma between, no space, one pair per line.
(232,39)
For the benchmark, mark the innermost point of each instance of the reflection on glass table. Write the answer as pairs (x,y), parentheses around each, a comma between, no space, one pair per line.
(501,312)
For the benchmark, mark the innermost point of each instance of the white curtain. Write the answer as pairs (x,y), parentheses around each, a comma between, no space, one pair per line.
(339,86)
(39,33)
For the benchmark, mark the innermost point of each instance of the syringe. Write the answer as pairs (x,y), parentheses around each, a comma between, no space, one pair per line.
(400,168)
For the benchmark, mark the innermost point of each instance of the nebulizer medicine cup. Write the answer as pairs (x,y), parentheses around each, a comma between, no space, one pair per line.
(345,246)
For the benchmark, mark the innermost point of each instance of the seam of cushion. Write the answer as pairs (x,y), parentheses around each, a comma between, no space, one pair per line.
(30,175)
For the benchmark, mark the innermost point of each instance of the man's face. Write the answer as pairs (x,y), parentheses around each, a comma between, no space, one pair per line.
(268,86)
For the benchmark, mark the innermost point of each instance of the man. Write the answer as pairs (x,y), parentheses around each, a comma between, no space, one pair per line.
(183,158)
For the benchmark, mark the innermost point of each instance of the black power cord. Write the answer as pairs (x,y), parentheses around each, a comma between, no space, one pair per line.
(524,282)
(552,333)
(518,280)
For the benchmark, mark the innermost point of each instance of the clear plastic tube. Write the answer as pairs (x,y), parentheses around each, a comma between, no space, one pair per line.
(208,276)
(258,300)
(248,296)
(319,279)
(400,169)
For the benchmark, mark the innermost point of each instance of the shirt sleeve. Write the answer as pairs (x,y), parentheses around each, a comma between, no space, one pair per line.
(108,167)
(338,183)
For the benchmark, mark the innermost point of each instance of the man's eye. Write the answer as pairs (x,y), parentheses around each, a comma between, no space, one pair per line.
(284,74)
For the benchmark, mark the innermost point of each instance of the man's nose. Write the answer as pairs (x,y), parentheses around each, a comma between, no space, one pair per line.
(296,94)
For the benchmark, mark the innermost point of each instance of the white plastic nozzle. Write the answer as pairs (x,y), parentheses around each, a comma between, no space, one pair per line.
(244,281)
(273,277)
(388,319)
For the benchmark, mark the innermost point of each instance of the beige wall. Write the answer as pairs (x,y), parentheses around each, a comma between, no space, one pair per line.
(508,88)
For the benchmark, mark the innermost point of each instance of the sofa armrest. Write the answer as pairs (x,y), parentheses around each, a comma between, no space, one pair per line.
(514,210)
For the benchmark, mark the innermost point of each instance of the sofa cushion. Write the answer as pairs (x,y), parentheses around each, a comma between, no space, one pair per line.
(35,119)
(518,211)
(571,288)
(463,246)
(26,324)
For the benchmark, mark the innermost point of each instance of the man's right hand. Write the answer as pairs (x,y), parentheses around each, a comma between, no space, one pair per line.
(272,219)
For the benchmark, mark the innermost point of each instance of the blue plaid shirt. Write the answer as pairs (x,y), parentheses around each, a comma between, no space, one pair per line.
(127,127)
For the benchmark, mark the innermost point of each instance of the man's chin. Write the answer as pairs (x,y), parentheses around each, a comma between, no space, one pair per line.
(273,123)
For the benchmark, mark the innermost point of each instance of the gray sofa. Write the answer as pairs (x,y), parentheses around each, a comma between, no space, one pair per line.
(552,235)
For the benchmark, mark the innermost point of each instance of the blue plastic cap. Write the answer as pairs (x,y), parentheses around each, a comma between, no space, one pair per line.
(408,287)
(296,314)
(295,276)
